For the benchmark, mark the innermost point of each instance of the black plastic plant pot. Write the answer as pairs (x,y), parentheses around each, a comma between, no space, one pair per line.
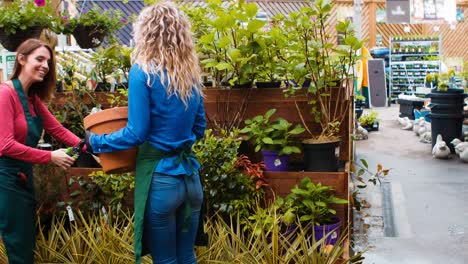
(88,37)
(102,87)
(262,85)
(449,126)
(86,160)
(321,156)
(12,42)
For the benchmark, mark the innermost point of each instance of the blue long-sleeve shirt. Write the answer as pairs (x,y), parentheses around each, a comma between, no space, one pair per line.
(164,121)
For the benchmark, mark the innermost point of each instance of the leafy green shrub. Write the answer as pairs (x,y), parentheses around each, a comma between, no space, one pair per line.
(369,119)
(310,203)
(114,186)
(272,135)
(226,188)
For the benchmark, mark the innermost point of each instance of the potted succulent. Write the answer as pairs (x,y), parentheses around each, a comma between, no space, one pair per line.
(310,205)
(329,67)
(90,28)
(273,138)
(20,20)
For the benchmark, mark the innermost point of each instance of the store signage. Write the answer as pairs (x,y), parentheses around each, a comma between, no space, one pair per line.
(398,11)
(433,11)
(8,61)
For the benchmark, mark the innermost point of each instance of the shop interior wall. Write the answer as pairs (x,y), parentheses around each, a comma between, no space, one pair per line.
(453,40)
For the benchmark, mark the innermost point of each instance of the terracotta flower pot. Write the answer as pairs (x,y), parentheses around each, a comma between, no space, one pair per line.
(105,122)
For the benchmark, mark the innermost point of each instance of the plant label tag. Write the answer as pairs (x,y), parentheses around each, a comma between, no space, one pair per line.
(277,162)
(104,213)
(71,217)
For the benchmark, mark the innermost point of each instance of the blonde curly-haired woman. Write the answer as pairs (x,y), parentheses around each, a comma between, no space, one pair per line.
(165,117)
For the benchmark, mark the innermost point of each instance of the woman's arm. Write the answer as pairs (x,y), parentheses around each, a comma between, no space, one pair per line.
(200,122)
(9,146)
(137,130)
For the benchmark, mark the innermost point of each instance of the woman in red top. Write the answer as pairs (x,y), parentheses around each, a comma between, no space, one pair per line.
(23,116)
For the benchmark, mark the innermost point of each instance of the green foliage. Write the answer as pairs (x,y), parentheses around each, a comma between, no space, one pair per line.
(118,99)
(272,64)
(272,135)
(226,188)
(107,22)
(66,72)
(369,119)
(49,182)
(71,113)
(123,58)
(314,55)
(359,97)
(114,186)
(106,61)
(109,239)
(310,203)
(228,41)
(21,15)
(229,243)
(82,194)
(360,175)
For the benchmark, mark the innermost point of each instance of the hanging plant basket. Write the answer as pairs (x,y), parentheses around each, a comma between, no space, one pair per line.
(89,37)
(12,42)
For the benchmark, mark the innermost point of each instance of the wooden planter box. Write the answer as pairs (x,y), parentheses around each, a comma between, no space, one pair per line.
(281,184)
(229,107)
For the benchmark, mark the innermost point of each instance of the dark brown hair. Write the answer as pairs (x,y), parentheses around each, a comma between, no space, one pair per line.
(45,89)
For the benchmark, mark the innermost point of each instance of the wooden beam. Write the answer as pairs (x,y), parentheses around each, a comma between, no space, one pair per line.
(372,24)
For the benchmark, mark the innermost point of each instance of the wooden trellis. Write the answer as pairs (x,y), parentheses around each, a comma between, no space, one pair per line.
(453,40)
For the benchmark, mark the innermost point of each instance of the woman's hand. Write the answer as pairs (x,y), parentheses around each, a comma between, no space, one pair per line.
(61,159)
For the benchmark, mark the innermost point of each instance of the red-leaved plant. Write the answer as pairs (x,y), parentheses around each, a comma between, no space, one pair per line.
(254,170)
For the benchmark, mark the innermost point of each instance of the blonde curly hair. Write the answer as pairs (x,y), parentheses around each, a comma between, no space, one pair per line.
(163,42)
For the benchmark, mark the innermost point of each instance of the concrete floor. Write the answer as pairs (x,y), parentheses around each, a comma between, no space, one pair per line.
(428,197)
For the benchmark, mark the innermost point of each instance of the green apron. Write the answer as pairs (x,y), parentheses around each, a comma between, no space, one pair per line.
(147,160)
(17,200)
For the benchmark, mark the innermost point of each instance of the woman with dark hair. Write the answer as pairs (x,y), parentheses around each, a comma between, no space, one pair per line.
(165,116)
(23,117)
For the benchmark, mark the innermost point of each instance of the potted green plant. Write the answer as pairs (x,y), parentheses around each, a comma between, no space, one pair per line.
(124,64)
(228,44)
(310,205)
(90,28)
(275,139)
(329,67)
(271,62)
(370,121)
(106,63)
(20,20)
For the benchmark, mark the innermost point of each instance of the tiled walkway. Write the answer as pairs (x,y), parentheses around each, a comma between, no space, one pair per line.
(427,198)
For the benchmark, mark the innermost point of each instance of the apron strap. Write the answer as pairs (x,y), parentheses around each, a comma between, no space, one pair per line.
(22,96)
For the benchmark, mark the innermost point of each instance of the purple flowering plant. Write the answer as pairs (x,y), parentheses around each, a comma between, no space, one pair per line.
(105,21)
(21,15)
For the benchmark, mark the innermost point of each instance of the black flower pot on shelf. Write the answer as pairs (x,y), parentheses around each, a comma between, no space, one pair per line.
(123,85)
(262,85)
(102,87)
(59,87)
(89,37)
(12,42)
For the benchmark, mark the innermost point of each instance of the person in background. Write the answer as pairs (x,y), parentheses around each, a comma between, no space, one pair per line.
(23,117)
(165,117)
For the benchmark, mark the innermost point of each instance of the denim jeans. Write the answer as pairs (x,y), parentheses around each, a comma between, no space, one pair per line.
(165,218)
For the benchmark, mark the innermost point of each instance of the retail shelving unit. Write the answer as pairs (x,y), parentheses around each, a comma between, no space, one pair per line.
(411,59)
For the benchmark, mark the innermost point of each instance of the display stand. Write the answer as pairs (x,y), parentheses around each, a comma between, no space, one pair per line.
(411,59)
